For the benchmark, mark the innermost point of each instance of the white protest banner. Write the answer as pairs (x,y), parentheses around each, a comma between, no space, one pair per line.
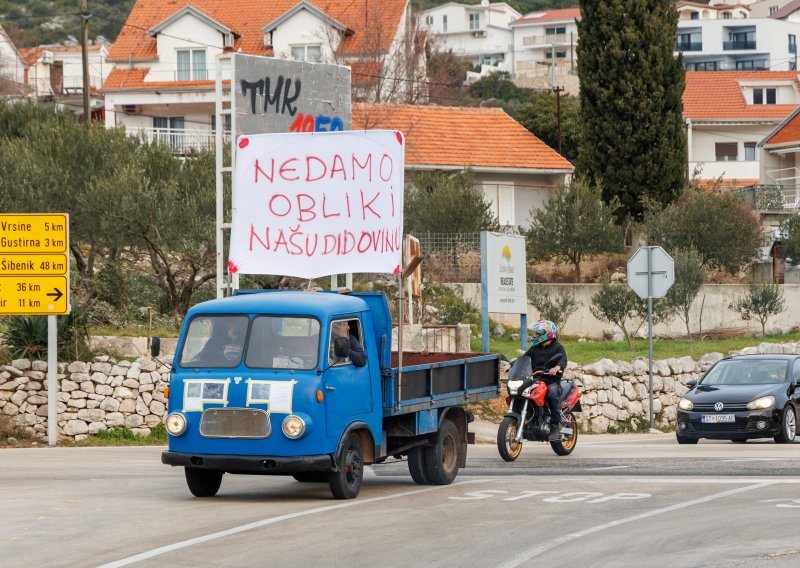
(314,204)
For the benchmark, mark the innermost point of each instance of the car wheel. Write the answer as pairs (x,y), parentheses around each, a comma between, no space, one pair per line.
(686,439)
(788,427)
(739,439)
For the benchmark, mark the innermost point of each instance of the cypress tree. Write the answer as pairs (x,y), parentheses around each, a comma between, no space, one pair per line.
(633,141)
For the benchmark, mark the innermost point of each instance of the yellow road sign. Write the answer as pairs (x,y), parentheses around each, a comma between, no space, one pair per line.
(34,264)
(33,233)
(44,264)
(33,295)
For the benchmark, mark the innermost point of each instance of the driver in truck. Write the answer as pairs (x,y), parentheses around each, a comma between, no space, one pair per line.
(357,356)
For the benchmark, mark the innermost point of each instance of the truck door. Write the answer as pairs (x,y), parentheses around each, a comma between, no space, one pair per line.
(347,383)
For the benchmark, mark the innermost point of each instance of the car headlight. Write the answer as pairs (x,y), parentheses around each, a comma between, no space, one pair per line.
(685,404)
(761,403)
(176,423)
(293,427)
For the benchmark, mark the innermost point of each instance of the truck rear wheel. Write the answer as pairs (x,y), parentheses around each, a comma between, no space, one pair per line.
(346,482)
(203,482)
(416,466)
(442,458)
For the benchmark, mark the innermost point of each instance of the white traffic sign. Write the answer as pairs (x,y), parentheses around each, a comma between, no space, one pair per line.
(651,272)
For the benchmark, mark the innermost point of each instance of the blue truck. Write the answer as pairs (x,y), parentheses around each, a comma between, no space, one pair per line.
(262,384)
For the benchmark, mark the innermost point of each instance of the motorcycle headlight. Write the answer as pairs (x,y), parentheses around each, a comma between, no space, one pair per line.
(176,424)
(685,404)
(293,427)
(761,403)
(513,387)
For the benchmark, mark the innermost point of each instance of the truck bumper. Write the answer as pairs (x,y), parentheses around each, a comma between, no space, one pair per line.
(264,465)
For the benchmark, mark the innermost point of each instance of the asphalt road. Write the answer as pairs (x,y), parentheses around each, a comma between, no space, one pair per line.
(621,500)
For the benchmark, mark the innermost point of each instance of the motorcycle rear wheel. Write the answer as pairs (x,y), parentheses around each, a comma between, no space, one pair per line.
(507,444)
(565,445)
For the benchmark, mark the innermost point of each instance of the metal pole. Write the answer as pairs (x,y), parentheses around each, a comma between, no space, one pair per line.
(523,331)
(553,65)
(558,115)
(52,383)
(219,153)
(484,294)
(650,326)
(400,340)
(87,116)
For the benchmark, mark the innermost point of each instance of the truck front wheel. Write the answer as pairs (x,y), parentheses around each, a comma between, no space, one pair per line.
(442,458)
(346,482)
(203,482)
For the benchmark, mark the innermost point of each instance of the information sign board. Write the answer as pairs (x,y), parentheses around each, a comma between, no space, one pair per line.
(34,264)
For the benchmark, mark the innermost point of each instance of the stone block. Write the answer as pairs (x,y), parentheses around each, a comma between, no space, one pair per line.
(78,367)
(110,405)
(21,364)
(76,427)
(35,375)
(39,366)
(134,421)
(87,415)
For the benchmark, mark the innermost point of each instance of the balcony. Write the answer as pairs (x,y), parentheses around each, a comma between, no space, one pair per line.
(181,141)
(689,46)
(739,45)
(547,40)
(784,198)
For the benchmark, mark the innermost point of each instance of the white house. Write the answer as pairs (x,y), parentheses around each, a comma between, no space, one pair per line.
(516,171)
(164,58)
(727,113)
(737,43)
(788,10)
(546,41)
(56,73)
(12,67)
(477,33)
(712,11)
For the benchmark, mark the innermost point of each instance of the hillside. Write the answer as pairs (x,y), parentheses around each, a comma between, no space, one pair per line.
(37,22)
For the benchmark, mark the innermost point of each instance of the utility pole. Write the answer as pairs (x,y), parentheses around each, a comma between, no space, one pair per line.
(87,116)
(558,91)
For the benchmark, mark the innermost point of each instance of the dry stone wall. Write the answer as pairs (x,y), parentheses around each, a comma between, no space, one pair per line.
(91,396)
(615,395)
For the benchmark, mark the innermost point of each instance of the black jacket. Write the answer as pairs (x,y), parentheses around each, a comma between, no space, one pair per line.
(540,355)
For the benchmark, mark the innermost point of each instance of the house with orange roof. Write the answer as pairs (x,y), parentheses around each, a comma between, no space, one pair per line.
(727,113)
(12,68)
(479,34)
(516,171)
(56,73)
(164,59)
(544,42)
(712,11)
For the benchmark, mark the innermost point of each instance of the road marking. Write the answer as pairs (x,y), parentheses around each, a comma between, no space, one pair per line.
(271,521)
(527,555)
(607,467)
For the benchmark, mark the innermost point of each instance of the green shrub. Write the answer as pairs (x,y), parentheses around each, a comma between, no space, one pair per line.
(26,336)
(450,306)
(556,310)
(762,300)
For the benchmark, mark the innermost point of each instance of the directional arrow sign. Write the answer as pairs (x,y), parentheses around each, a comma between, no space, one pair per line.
(33,295)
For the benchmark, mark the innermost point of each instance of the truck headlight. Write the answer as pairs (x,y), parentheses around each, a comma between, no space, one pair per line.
(761,403)
(685,404)
(176,423)
(293,427)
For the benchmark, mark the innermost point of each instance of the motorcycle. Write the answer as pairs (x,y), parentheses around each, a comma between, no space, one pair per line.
(528,415)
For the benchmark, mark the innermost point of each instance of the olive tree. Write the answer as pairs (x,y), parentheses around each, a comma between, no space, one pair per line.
(619,305)
(689,278)
(556,309)
(761,301)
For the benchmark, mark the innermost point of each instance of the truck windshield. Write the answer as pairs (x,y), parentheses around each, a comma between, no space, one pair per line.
(215,341)
(278,342)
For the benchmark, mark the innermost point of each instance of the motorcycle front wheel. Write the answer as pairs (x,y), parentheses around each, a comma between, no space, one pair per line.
(507,439)
(565,445)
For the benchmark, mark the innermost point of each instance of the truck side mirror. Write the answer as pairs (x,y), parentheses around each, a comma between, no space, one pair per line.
(155,346)
(341,347)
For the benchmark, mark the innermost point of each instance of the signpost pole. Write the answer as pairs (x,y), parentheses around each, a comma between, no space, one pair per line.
(650,325)
(523,331)
(484,294)
(52,384)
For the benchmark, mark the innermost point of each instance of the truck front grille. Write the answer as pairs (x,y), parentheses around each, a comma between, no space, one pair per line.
(235,423)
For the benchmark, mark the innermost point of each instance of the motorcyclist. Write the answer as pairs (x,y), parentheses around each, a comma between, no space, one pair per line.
(544,348)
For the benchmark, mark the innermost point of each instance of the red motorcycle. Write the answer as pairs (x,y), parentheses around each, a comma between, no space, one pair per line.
(528,415)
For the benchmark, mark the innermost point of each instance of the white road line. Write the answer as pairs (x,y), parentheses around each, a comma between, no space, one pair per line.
(271,521)
(606,467)
(527,555)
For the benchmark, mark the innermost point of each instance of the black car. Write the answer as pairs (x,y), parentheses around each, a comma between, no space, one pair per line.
(744,397)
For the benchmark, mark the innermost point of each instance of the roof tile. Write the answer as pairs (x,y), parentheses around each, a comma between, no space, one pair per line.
(549,16)
(717,95)
(460,136)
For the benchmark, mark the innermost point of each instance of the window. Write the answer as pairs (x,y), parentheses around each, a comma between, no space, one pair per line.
(191,65)
(706,66)
(792,43)
(559,54)
(695,16)
(726,15)
(796,371)
(726,151)
(561,30)
(429,20)
(765,96)
(311,53)
(227,121)
(283,343)
(772,10)
(749,151)
(343,328)
(474,21)
(444,23)
(214,341)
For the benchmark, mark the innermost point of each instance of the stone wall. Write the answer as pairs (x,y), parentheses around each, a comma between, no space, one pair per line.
(91,396)
(615,395)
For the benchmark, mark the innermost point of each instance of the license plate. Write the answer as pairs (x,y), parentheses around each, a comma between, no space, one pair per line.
(718,418)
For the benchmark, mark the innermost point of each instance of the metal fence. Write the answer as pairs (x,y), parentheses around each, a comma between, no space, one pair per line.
(451,257)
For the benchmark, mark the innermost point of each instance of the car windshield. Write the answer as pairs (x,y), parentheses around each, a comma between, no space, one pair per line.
(746,372)
(215,341)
